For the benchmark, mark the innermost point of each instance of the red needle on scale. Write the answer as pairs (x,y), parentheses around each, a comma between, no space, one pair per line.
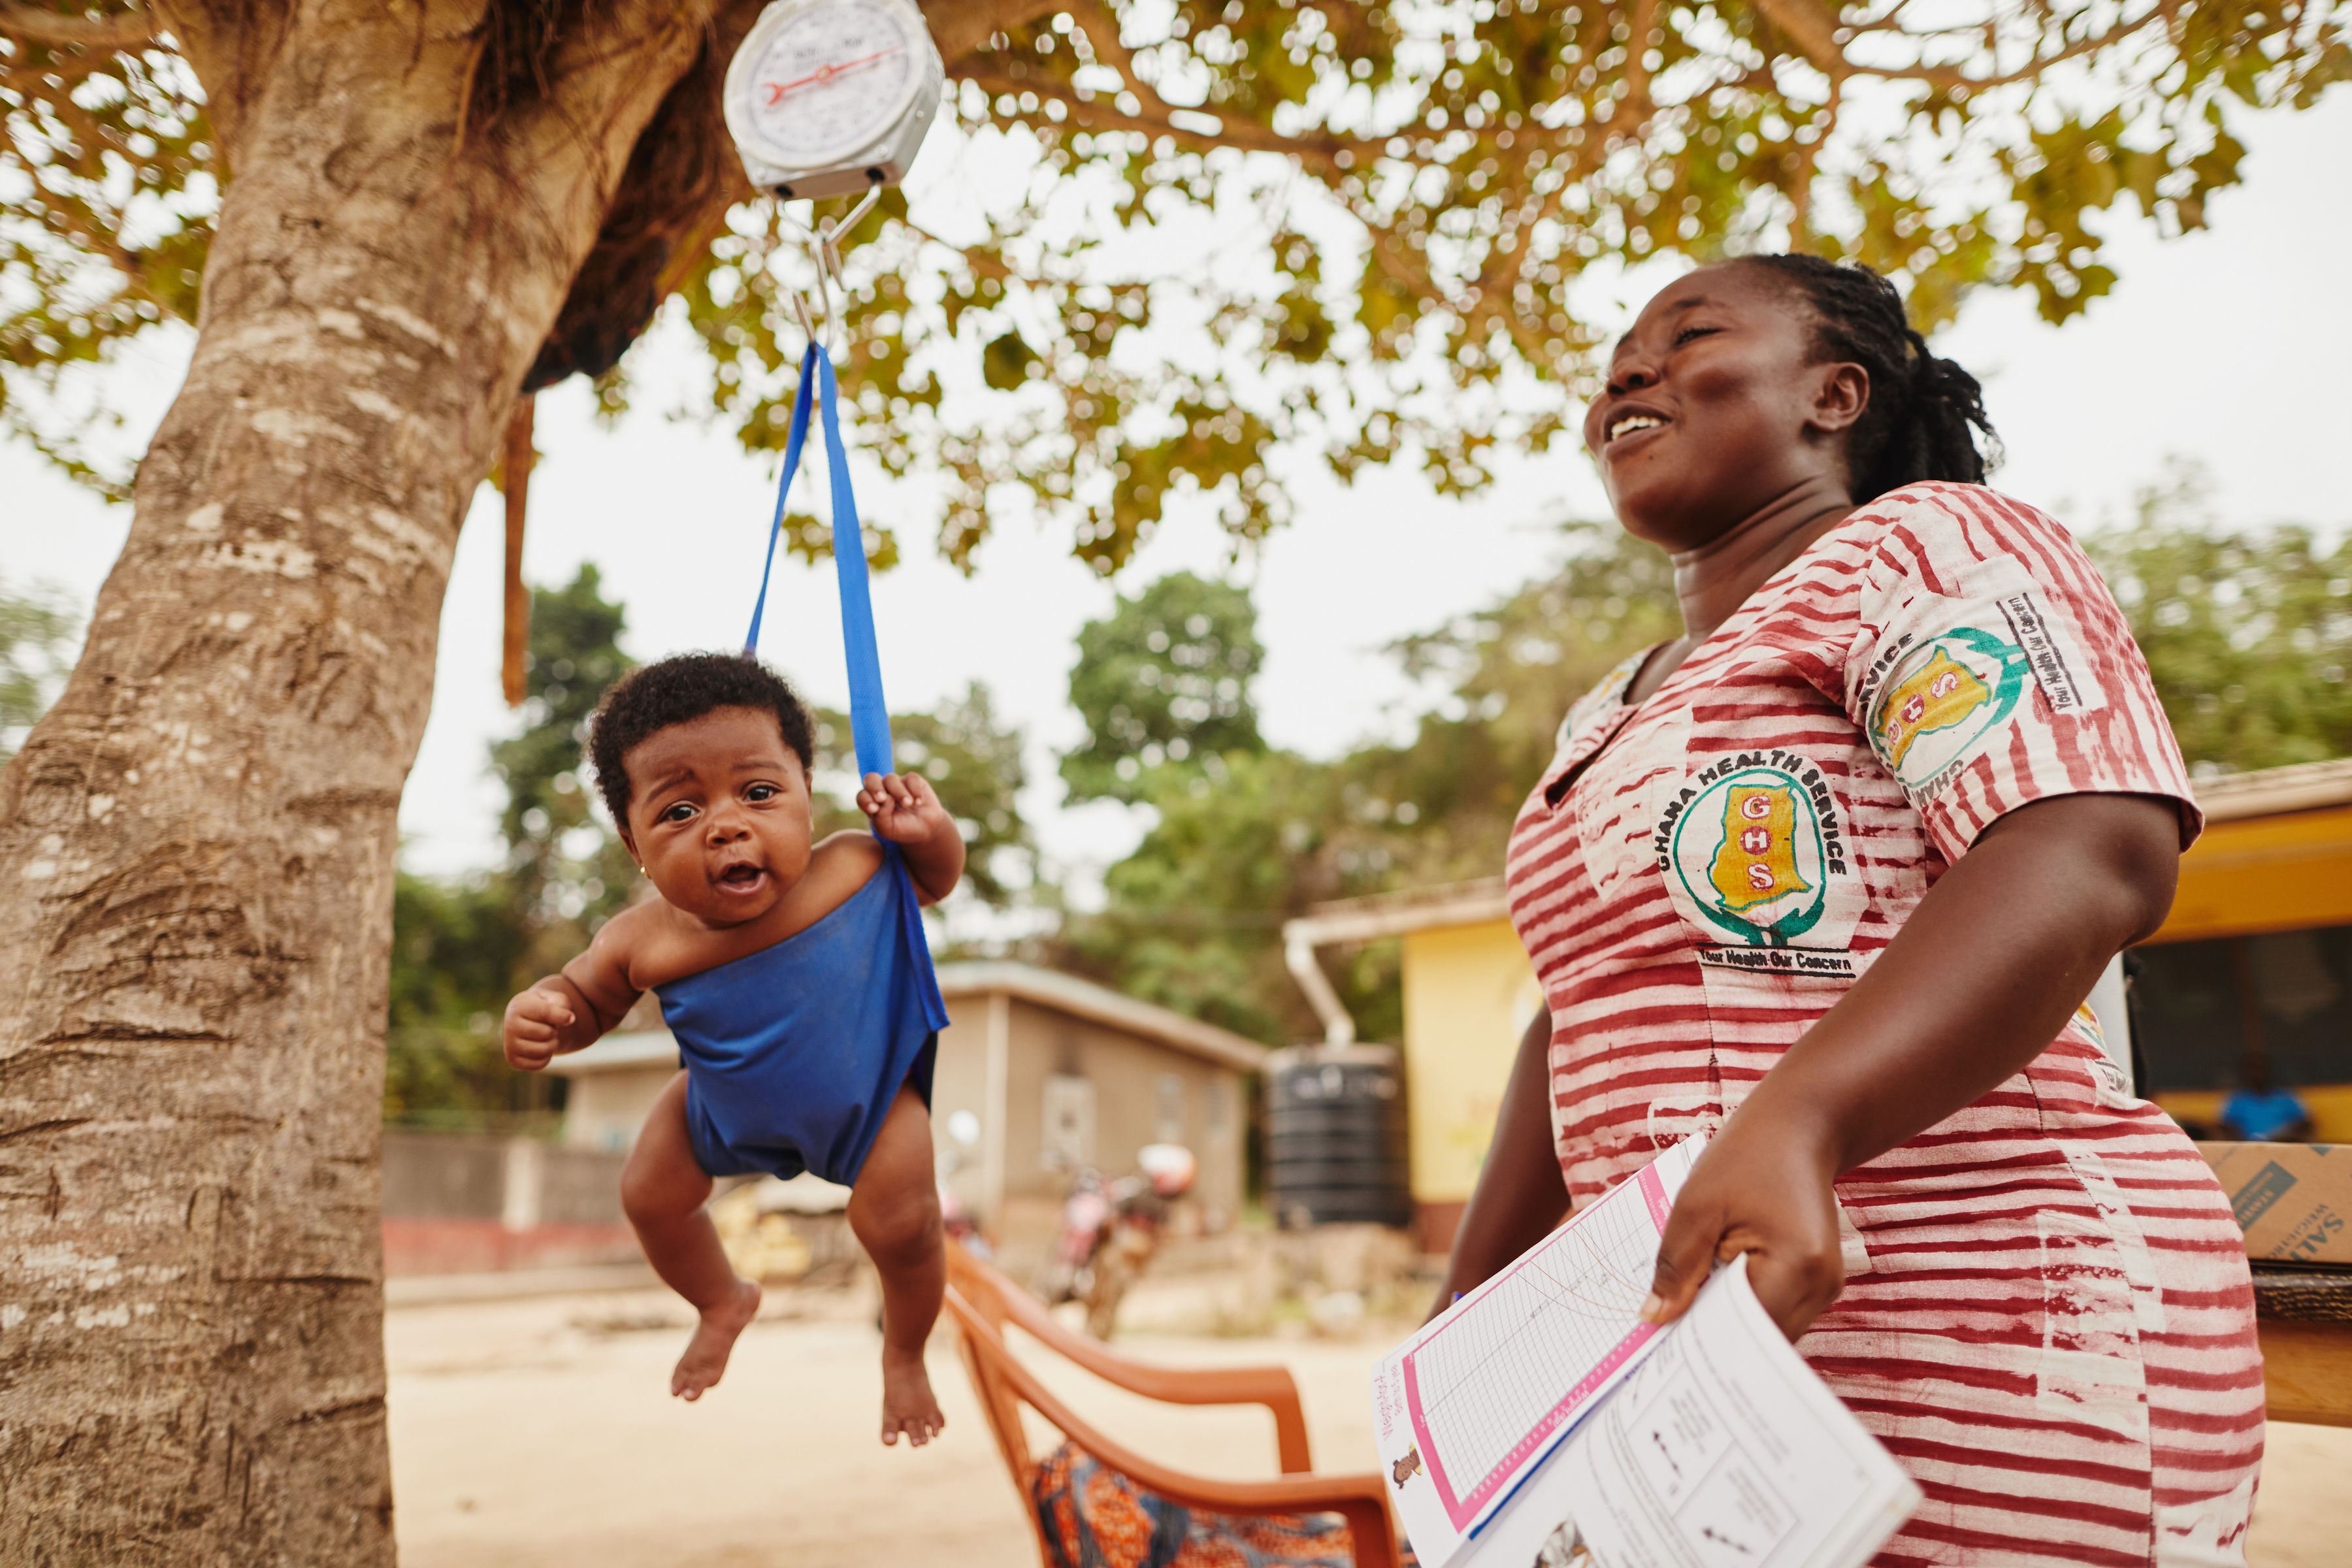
(777,89)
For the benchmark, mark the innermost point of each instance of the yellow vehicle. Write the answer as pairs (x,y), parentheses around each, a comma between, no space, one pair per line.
(2250,977)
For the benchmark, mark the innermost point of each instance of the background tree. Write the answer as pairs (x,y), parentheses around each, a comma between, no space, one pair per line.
(1192,918)
(1505,677)
(973,757)
(2248,631)
(1253,837)
(457,945)
(36,635)
(566,870)
(1239,836)
(462,946)
(385,222)
(1162,683)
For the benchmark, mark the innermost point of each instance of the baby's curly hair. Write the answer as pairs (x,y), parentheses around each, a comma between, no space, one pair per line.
(674,690)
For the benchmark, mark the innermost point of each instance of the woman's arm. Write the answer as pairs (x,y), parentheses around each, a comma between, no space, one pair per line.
(1976,985)
(1520,1195)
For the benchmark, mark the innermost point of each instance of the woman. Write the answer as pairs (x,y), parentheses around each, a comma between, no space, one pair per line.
(1827,878)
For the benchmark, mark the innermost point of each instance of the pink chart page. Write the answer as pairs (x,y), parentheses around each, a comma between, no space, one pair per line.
(1473,1402)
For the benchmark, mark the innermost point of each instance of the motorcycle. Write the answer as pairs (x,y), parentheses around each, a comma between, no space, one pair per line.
(1111,1231)
(960,1224)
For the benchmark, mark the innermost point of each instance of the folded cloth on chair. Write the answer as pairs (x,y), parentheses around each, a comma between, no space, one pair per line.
(1097,1517)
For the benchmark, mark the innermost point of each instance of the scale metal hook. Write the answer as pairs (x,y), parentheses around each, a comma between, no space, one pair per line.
(826,322)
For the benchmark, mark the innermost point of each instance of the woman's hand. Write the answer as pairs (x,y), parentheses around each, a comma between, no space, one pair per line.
(1758,1190)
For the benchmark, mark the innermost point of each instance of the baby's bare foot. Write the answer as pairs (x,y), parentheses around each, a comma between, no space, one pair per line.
(714,1338)
(908,1404)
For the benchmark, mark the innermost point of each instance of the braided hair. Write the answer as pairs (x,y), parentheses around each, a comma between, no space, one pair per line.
(1923,410)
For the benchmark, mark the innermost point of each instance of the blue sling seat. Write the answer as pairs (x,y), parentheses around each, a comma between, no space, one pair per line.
(793,1054)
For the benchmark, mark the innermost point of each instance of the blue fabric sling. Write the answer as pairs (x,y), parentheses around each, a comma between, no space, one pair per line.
(793,1054)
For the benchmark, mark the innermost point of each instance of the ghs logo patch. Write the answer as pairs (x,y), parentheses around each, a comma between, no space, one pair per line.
(1752,847)
(1942,699)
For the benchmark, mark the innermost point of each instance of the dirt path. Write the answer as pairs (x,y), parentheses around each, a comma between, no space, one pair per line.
(537,1434)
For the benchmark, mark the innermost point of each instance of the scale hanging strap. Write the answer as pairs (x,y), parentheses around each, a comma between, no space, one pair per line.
(869,715)
(794,440)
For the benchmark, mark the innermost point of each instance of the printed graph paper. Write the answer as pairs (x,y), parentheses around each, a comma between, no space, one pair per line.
(1498,1379)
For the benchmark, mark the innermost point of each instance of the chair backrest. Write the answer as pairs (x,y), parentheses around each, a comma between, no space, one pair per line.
(1002,1302)
(979,1341)
(1004,1385)
(990,1295)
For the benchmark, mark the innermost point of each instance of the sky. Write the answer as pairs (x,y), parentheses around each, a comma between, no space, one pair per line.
(2231,349)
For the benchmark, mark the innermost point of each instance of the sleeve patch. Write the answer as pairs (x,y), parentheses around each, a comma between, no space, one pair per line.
(1939,699)
(2058,666)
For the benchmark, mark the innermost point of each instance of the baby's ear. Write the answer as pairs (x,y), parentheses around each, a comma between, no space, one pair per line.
(629,843)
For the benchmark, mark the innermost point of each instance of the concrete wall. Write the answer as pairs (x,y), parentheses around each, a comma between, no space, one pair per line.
(444,1175)
(1469,992)
(1203,1109)
(457,1203)
(602,1110)
(961,1083)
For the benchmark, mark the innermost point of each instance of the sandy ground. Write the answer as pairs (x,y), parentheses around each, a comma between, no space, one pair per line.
(541,1433)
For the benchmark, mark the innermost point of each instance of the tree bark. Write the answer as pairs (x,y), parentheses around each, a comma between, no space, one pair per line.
(197,844)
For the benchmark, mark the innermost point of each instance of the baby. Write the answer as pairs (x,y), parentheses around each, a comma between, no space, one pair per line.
(789,973)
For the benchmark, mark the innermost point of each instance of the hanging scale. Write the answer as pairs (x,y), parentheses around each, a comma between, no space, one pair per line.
(825,98)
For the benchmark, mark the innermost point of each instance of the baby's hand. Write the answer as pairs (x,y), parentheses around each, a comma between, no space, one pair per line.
(903,808)
(533,1031)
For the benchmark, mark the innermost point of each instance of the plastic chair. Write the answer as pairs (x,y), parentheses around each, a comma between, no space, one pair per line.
(982,1301)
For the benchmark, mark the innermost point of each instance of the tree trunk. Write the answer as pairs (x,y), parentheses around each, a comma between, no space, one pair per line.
(197,844)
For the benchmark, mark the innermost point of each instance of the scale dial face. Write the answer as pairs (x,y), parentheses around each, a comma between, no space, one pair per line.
(828,81)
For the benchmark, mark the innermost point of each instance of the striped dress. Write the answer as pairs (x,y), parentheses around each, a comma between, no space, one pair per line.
(2047,1316)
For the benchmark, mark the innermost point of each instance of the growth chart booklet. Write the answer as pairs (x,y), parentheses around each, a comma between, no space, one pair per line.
(1470,1405)
(1723,1450)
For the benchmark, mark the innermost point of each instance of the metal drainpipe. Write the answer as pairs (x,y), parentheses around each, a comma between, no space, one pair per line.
(1298,957)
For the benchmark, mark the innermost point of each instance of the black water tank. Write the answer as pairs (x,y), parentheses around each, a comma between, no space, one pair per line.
(1335,1137)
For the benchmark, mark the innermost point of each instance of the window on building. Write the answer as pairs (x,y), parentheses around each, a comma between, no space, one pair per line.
(1220,1108)
(1068,1142)
(2204,1013)
(1168,1109)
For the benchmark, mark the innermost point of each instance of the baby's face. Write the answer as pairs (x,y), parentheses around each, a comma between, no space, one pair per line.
(719,814)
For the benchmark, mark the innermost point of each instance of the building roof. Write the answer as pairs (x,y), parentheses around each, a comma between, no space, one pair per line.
(1084,999)
(1027,982)
(1399,914)
(636,1048)
(2305,786)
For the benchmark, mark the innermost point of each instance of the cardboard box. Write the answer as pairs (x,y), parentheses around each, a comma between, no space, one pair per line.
(2292,1200)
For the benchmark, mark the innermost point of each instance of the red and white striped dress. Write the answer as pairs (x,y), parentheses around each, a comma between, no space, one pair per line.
(2047,1316)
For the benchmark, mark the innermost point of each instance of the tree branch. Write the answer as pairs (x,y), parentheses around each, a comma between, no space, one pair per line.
(1234,130)
(1812,28)
(1101,28)
(1800,195)
(118,30)
(961,27)
(1954,76)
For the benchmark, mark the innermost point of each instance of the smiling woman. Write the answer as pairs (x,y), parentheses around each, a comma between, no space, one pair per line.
(1827,879)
